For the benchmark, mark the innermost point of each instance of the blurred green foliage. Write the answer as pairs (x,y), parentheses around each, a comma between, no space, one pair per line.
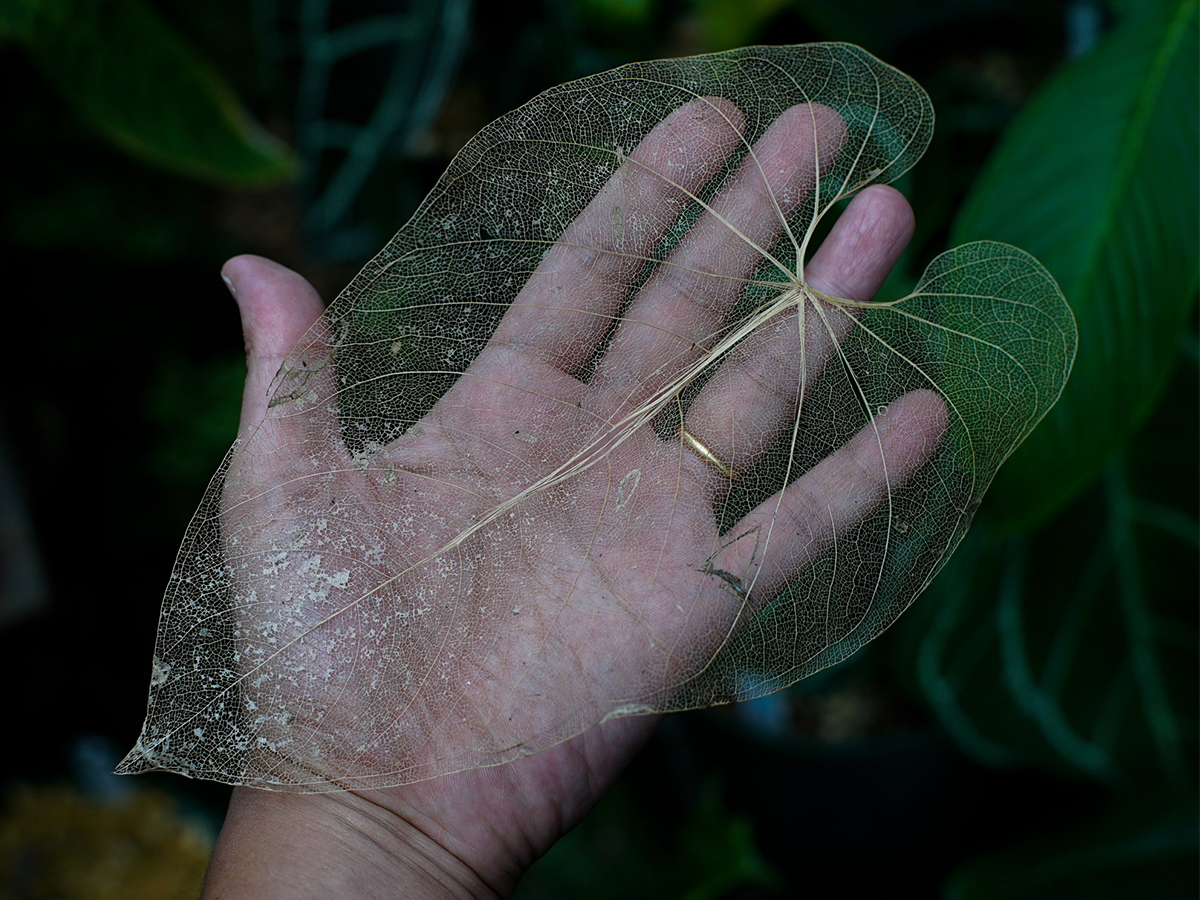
(1064,631)
(1073,639)
(188,436)
(1138,850)
(1074,644)
(1097,178)
(1058,650)
(620,852)
(137,81)
(369,82)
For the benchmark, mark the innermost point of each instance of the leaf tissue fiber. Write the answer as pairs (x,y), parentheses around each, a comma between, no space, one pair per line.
(582,441)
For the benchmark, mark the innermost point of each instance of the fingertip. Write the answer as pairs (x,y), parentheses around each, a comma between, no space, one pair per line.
(248,275)
(889,204)
(700,109)
(918,420)
(277,305)
(864,244)
(831,131)
(241,268)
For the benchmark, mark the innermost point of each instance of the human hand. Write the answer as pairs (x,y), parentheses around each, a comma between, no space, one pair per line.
(577,637)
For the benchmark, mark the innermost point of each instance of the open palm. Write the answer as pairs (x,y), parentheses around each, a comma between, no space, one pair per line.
(441,603)
(593,437)
(544,547)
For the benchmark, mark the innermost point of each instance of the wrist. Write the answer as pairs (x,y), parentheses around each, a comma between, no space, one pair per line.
(324,845)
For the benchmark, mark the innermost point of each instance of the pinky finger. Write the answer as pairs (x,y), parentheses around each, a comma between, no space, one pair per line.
(798,525)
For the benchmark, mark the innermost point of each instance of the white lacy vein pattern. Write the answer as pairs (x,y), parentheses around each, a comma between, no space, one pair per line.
(582,441)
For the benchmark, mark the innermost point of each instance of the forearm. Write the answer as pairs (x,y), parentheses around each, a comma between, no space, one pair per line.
(329,845)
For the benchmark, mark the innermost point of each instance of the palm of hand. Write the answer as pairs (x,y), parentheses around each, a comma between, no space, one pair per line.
(515,606)
(518,614)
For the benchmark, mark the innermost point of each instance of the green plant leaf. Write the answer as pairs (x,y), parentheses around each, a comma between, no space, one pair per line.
(17,19)
(1098,179)
(134,79)
(1076,645)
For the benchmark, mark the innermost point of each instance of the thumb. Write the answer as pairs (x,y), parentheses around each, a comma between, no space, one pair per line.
(278,307)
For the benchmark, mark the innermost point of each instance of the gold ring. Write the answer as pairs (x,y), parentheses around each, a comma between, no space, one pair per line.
(690,441)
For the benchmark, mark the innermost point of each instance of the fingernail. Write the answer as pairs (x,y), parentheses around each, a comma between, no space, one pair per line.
(229,284)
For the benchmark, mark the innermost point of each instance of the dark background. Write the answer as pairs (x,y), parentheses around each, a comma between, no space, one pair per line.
(1028,729)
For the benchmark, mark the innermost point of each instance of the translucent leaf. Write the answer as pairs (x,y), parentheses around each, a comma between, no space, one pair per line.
(582,442)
